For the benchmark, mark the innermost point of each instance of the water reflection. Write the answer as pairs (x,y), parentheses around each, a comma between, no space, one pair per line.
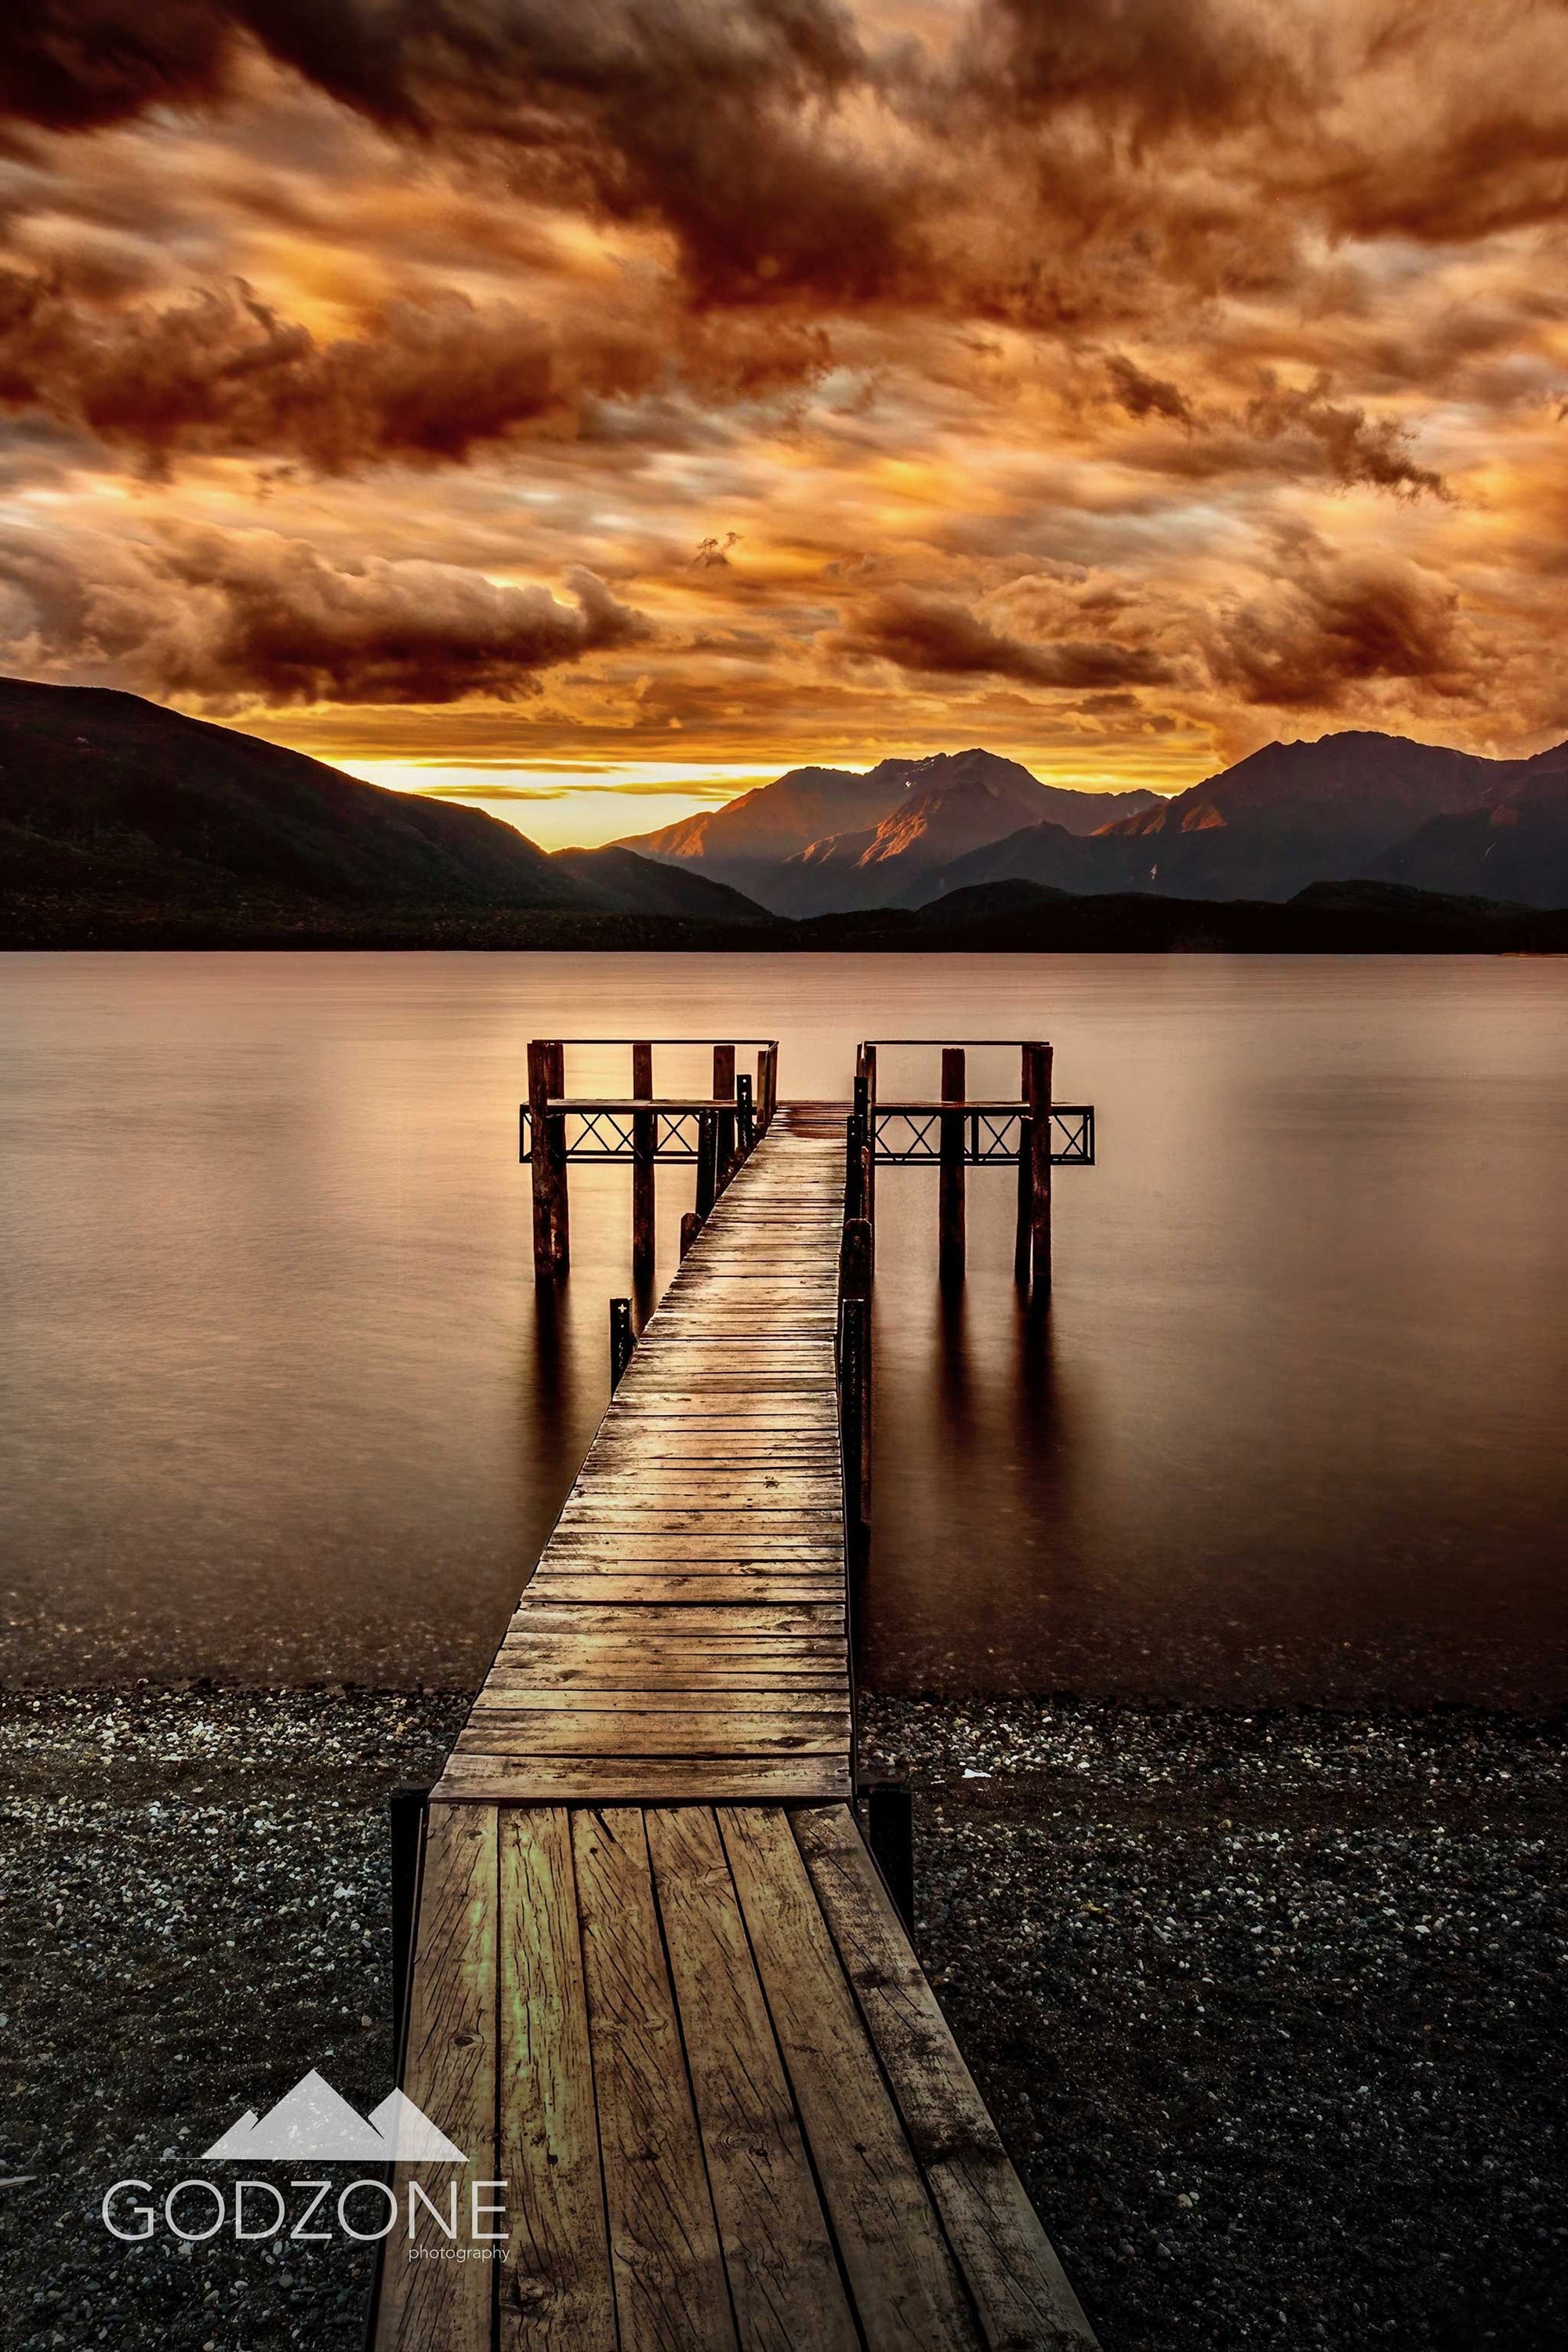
(282,1400)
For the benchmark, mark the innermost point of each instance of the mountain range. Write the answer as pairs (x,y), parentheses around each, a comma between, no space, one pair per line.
(821,839)
(1352,806)
(123,823)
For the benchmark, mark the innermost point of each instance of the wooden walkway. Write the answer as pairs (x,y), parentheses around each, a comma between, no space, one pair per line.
(659,1989)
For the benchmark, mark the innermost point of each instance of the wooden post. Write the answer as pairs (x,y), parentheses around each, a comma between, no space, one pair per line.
(644,1124)
(745,1117)
(853,1390)
(560,1237)
(622,1340)
(890,1834)
(950,1183)
(724,1091)
(690,1227)
(854,1170)
(707,1167)
(408,1812)
(541,1163)
(1038,1092)
(855,1290)
(869,1072)
(1026,1201)
(764,1102)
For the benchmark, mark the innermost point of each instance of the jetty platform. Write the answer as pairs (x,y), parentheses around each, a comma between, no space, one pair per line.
(659,1988)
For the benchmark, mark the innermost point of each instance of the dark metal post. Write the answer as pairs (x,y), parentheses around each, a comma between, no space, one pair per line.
(407,1810)
(642,1145)
(1040,1096)
(890,1834)
(764,1105)
(724,1091)
(561,1232)
(707,1170)
(950,1181)
(690,1227)
(746,1116)
(622,1339)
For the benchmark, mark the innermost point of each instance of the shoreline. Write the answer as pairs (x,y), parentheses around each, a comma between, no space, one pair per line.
(1266,2002)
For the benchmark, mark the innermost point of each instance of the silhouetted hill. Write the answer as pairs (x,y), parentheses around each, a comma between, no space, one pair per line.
(122,824)
(621,881)
(1517,849)
(107,801)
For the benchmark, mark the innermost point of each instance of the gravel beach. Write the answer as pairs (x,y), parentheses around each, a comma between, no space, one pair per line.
(1269,2007)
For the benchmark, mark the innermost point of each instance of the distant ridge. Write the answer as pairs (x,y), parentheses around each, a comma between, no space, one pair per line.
(123,824)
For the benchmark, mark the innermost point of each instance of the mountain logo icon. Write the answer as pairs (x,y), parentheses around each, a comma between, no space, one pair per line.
(315,2122)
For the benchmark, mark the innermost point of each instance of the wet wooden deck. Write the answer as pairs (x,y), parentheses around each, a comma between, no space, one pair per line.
(659,1989)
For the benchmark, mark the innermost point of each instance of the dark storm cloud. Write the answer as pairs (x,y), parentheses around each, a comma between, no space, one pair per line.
(711,117)
(935,634)
(220,372)
(1141,394)
(1337,623)
(1355,448)
(232,618)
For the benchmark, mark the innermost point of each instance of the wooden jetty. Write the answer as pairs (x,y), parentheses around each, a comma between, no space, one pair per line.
(659,1988)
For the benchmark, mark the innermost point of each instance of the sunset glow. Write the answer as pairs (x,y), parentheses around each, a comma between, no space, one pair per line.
(594,412)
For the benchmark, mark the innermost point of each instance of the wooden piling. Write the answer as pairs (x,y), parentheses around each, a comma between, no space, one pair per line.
(622,1339)
(950,1181)
(1021,1250)
(745,1117)
(724,1091)
(854,1170)
(890,1834)
(539,1161)
(555,1123)
(855,1371)
(853,1399)
(643,1125)
(1037,1093)
(767,1057)
(869,1072)
(707,1163)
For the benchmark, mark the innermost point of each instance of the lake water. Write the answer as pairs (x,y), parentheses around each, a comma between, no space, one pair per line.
(281,1402)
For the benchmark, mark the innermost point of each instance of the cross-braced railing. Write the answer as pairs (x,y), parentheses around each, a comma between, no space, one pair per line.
(910,1135)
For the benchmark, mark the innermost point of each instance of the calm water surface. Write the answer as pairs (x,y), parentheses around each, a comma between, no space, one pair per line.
(281,1402)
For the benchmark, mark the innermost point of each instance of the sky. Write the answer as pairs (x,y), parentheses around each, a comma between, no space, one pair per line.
(590,408)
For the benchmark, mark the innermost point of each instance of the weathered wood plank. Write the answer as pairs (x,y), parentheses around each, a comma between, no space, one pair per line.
(429,2305)
(643,1780)
(555,2293)
(784,2278)
(908,2293)
(669,2280)
(1018,2285)
(715,1730)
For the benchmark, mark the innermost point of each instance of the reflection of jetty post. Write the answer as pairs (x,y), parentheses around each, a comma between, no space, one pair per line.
(950,1183)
